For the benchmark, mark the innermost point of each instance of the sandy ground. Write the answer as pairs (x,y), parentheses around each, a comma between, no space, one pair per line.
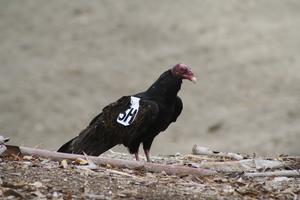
(62,61)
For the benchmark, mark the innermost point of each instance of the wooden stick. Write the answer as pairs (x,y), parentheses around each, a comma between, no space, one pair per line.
(198,150)
(287,173)
(151,167)
(246,165)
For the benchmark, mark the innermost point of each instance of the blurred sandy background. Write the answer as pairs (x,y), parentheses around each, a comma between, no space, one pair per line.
(62,61)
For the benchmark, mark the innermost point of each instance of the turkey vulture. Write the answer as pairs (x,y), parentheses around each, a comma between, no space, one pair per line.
(135,119)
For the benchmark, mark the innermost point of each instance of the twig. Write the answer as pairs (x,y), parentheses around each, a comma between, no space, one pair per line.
(12,192)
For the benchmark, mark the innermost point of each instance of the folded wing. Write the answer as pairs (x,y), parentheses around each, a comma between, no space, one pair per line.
(107,130)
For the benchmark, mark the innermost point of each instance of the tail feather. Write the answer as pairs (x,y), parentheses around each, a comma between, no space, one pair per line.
(89,141)
(67,147)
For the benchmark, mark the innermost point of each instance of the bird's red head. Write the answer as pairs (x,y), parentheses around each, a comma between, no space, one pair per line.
(183,71)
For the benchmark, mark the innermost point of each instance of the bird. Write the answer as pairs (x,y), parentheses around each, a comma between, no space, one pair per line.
(134,119)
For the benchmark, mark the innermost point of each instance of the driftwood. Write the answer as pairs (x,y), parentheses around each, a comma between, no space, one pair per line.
(287,173)
(198,150)
(245,165)
(151,167)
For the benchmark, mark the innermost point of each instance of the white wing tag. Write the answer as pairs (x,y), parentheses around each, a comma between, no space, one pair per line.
(127,117)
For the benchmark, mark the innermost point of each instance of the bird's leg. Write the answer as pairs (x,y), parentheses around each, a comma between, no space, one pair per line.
(137,156)
(147,145)
(147,153)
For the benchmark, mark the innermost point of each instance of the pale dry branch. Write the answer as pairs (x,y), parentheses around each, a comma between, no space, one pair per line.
(245,165)
(198,150)
(286,173)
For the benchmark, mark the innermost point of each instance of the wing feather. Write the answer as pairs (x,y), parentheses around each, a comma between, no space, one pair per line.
(177,109)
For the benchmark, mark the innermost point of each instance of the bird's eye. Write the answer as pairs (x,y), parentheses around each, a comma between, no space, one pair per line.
(183,70)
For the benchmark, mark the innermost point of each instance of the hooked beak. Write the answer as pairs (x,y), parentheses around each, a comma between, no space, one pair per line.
(193,79)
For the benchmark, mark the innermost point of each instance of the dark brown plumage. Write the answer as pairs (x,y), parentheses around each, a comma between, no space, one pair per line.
(136,119)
